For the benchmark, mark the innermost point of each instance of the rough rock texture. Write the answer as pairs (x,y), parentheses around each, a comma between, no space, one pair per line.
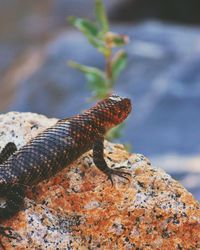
(79,209)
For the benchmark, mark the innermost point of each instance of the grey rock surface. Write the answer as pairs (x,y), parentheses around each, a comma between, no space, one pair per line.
(78,208)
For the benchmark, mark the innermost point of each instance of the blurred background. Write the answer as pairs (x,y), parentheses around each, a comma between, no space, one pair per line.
(162,77)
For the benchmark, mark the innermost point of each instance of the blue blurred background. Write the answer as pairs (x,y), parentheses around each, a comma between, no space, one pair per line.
(162,77)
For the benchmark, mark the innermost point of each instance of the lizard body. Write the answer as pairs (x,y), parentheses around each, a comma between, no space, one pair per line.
(55,148)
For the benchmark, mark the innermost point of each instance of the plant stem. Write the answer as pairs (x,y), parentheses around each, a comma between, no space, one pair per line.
(108,69)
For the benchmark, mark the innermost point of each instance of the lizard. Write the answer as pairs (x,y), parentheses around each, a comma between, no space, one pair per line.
(55,148)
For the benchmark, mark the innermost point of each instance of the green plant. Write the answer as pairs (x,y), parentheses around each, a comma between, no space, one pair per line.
(98,34)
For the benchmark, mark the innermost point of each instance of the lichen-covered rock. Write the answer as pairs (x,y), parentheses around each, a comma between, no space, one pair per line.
(79,208)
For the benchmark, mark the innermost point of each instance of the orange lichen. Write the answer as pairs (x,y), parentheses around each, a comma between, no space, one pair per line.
(152,211)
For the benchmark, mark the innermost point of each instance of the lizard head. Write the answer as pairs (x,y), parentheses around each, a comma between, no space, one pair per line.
(120,108)
(112,111)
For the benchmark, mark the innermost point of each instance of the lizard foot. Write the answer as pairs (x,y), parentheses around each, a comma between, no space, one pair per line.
(121,167)
(117,172)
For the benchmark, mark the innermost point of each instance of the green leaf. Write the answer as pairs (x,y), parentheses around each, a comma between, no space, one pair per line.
(97,84)
(115,40)
(86,69)
(84,25)
(96,79)
(120,40)
(100,13)
(128,147)
(119,62)
(89,30)
(105,51)
(115,132)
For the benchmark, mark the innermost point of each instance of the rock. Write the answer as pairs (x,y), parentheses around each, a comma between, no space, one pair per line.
(79,209)
(183,168)
(21,127)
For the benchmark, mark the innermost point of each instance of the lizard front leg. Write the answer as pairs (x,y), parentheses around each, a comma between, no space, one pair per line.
(101,164)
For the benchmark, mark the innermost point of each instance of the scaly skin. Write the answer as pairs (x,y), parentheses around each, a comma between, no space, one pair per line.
(58,146)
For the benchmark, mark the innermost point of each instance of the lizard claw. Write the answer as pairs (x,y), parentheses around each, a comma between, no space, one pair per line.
(121,167)
(118,173)
(110,179)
